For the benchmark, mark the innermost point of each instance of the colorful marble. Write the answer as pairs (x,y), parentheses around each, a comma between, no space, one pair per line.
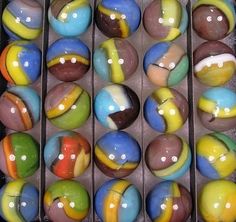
(166,110)
(169,201)
(19,108)
(118,200)
(220,193)
(117,154)
(19,155)
(213,19)
(214,63)
(67,106)
(66,201)
(67,154)
(216,155)
(68,59)
(115,60)
(165,20)
(166,64)
(20,63)
(217,109)
(70,17)
(19,201)
(116,106)
(168,156)
(120,18)
(22,19)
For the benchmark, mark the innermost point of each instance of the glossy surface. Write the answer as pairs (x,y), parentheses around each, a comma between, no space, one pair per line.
(68,59)
(213,19)
(217,201)
(22,19)
(118,18)
(115,60)
(216,155)
(19,155)
(117,200)
(19,201)
(19,108)
(166,110)
(70,17)
(67,106)
(168,156)
(169,201)
(67,154)
(20,63)
(117,154)
(116,106)
(165,20)
(217,109)
(166,64)
(66,201)
(214,63)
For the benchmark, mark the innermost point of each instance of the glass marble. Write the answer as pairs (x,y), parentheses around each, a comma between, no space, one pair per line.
(66,201)
(217,109)
(19,155)
(169,201)
(165,20)
(117,154)
(166,64)
(68,59)
(216,155)
(67,154)
(115,60)
(120,18)
(217,201)
(20,63)
(19,201)
(117,200)
(213,19)
(168,156)
(166,110)
(70,18)
(19,108)
(116,106)
(67,106)
(22,19)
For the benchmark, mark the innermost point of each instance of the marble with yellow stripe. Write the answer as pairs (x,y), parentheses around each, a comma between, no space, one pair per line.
(117,201)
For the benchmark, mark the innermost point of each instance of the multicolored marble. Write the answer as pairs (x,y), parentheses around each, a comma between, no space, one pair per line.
(166,110)
(116,106)
(214,63)
(115,60)
(169,201)
(120,18)
(66,201)
(165,20)
(216,155)
(20,63)
(68,59)
(67,106)
(70,18)
(22,19)
(166,64)
(118,201)
(19,108)
(19,155)
(168,156)
(117,154)
(217,109)
(217,201)
(67,154)
(213,19)
(19,201)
